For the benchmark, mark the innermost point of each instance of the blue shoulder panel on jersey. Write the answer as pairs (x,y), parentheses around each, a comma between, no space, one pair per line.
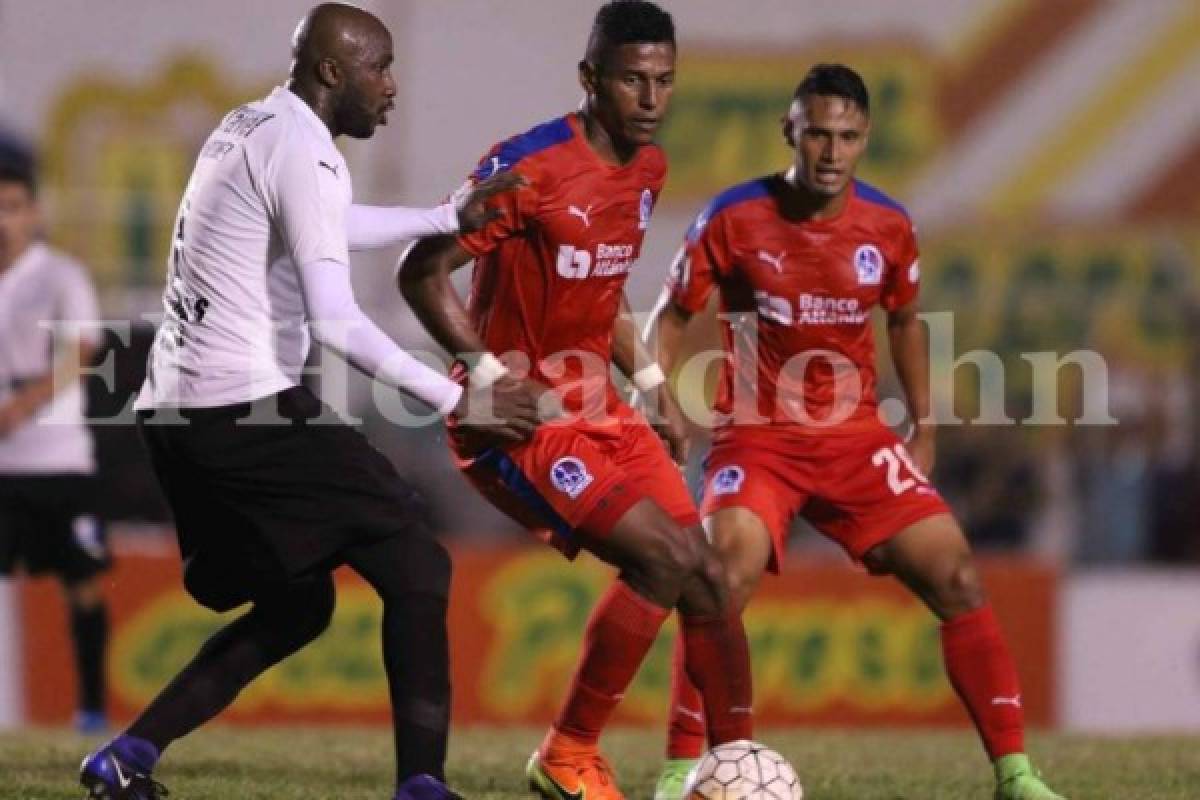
(750,190)
(524,145)
(872,195)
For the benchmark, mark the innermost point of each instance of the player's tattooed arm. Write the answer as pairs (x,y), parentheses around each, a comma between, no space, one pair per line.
(910,354)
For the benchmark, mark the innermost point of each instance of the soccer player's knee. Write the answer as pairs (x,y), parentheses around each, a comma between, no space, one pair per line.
(740,584)
(312,606)
(962,590)
(691,556)
(670,555)
(710,567)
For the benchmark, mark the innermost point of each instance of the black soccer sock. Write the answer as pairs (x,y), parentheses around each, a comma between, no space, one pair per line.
(89,630)
(411,573)
(277,626)
(417,659)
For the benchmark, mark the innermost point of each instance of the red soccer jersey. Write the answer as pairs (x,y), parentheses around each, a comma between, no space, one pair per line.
(550,272)
(812,285)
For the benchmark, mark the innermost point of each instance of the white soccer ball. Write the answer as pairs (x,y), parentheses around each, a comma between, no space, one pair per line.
(743,770)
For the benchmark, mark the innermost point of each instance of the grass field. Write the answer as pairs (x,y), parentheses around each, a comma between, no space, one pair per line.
(354,763)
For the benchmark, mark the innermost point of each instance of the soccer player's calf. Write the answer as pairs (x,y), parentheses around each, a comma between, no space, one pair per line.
(411,574)
(933,559)
(662,566)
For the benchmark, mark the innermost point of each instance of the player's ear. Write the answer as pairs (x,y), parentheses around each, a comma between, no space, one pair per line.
(587,77)
(329,73)
(789,131)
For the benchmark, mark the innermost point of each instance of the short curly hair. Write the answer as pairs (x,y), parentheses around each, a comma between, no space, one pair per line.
(627,22)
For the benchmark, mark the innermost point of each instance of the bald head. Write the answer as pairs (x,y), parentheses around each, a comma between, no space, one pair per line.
(341,65)
(333,30)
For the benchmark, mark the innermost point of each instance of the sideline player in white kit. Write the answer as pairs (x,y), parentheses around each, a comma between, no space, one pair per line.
(47,521)
(270,493)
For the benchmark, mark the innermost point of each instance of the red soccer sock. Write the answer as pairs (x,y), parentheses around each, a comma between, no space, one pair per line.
(685,720)
(620,632)
(718,663)
(983,673)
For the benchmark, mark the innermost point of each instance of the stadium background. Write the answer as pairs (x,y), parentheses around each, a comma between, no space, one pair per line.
(1050,155)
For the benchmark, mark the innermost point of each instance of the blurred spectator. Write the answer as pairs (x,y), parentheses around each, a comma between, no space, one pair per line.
(988,475)
(1114,468)
(47,514)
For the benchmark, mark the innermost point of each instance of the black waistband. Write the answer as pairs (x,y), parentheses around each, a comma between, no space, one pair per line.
(296,404)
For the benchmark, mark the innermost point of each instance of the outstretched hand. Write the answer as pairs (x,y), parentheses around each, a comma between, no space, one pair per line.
(474,212)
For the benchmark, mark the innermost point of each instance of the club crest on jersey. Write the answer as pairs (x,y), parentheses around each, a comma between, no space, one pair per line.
(728,480)
(570,476)
(868,262)
(644,208)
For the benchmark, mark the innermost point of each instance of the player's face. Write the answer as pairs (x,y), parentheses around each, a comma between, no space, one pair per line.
(18,220)
(369,90)
(630,91)
(830,136)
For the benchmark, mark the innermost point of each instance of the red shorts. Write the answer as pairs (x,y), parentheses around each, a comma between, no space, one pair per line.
(572,479)
(858,489)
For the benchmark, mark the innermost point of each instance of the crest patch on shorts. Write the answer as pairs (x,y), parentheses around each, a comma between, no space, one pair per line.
(728,480)
(570,476)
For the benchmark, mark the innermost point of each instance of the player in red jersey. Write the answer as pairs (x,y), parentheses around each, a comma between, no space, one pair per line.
(547,300)
(809,253)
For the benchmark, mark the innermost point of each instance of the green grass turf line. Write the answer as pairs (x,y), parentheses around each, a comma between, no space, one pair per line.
(222,763)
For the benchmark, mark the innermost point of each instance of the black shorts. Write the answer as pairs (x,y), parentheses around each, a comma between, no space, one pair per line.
(47,524)
(257,505)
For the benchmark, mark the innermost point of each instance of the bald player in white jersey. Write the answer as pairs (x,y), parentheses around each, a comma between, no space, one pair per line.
(48,524)
(270,492)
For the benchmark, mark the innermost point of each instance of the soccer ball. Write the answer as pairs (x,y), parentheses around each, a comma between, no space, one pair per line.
(743,770)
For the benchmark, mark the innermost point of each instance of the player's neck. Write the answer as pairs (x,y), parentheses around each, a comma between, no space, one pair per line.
(801,202)
(610,149)
(317,100)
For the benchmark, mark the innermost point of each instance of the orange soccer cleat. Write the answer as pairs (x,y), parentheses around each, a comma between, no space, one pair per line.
(563,769)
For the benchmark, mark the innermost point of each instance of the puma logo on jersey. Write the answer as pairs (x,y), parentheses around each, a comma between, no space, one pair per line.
(575,211)
(329,167)
(773,260)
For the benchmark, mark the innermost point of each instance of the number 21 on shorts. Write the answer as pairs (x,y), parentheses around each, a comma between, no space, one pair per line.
(895,459)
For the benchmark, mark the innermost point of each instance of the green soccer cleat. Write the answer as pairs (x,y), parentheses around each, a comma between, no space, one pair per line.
(673,778)
(1016,779)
